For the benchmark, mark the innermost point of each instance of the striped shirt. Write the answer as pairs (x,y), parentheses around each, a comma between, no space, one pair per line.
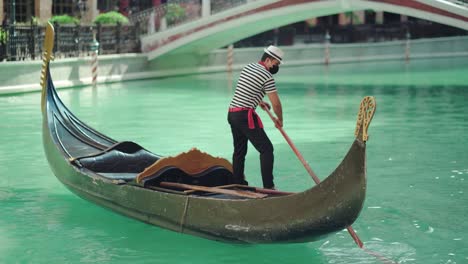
(254,82)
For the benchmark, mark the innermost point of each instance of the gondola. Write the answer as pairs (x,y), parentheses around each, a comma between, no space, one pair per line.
(193,192)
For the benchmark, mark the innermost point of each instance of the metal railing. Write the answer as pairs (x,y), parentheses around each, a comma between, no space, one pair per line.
(290,35)
(177,12)
(459,2)
(24,42)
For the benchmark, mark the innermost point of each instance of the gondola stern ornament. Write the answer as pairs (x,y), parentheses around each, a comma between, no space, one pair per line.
(46,58)
(365,115)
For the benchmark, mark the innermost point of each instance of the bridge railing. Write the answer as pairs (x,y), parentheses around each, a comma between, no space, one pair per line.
(223,5)
(165,16)
(459,2)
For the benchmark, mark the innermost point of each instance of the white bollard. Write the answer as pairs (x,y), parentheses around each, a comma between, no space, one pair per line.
(94,68)
(407,46)
(94,61)
(230,61)
(327,48)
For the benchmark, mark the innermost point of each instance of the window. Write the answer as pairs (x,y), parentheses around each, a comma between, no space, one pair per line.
(107,5)
(145,4)
(390,18)
(328,20)
(62,7)
(140,5)
(369,17)
(24,10)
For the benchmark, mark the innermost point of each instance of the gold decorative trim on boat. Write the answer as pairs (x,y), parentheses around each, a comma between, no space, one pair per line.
(46,58)
(192,162)
(365,114)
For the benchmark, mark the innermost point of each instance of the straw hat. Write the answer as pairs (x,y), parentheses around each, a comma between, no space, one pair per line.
(275,52)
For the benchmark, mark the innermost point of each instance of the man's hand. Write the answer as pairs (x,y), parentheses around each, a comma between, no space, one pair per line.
(278,123)
(264,105)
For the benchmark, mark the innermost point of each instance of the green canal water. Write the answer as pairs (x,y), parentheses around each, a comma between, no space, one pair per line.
(416,205)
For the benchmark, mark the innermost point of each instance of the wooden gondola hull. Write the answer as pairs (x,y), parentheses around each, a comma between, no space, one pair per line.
(328,207)
(308,216)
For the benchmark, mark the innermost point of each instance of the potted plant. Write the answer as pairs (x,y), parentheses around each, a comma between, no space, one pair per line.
(64,20)
(3,36)
(111,18)
(174,13)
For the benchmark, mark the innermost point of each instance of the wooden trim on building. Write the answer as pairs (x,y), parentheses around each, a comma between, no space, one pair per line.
(2,16)
(43,10)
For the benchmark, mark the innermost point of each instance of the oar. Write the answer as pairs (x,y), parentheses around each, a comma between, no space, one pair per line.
(317,181)
(311,173)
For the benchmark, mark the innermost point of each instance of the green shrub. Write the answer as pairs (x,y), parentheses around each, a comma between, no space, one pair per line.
(112,18)
(3,36)
(353,18)
(174,13)
(64,19)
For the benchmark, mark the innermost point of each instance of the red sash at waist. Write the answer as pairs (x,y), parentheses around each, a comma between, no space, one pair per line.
(250,114)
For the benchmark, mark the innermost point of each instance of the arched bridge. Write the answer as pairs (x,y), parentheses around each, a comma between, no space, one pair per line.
(215,31)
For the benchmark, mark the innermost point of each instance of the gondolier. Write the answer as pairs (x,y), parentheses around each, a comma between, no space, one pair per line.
(256,80)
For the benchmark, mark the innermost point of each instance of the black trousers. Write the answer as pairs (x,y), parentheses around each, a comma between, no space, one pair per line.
(241,134)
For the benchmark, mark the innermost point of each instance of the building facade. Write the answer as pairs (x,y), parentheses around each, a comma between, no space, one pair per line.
(24,11)
(42,10)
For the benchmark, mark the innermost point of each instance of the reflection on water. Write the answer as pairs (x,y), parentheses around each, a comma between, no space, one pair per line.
(415,209)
